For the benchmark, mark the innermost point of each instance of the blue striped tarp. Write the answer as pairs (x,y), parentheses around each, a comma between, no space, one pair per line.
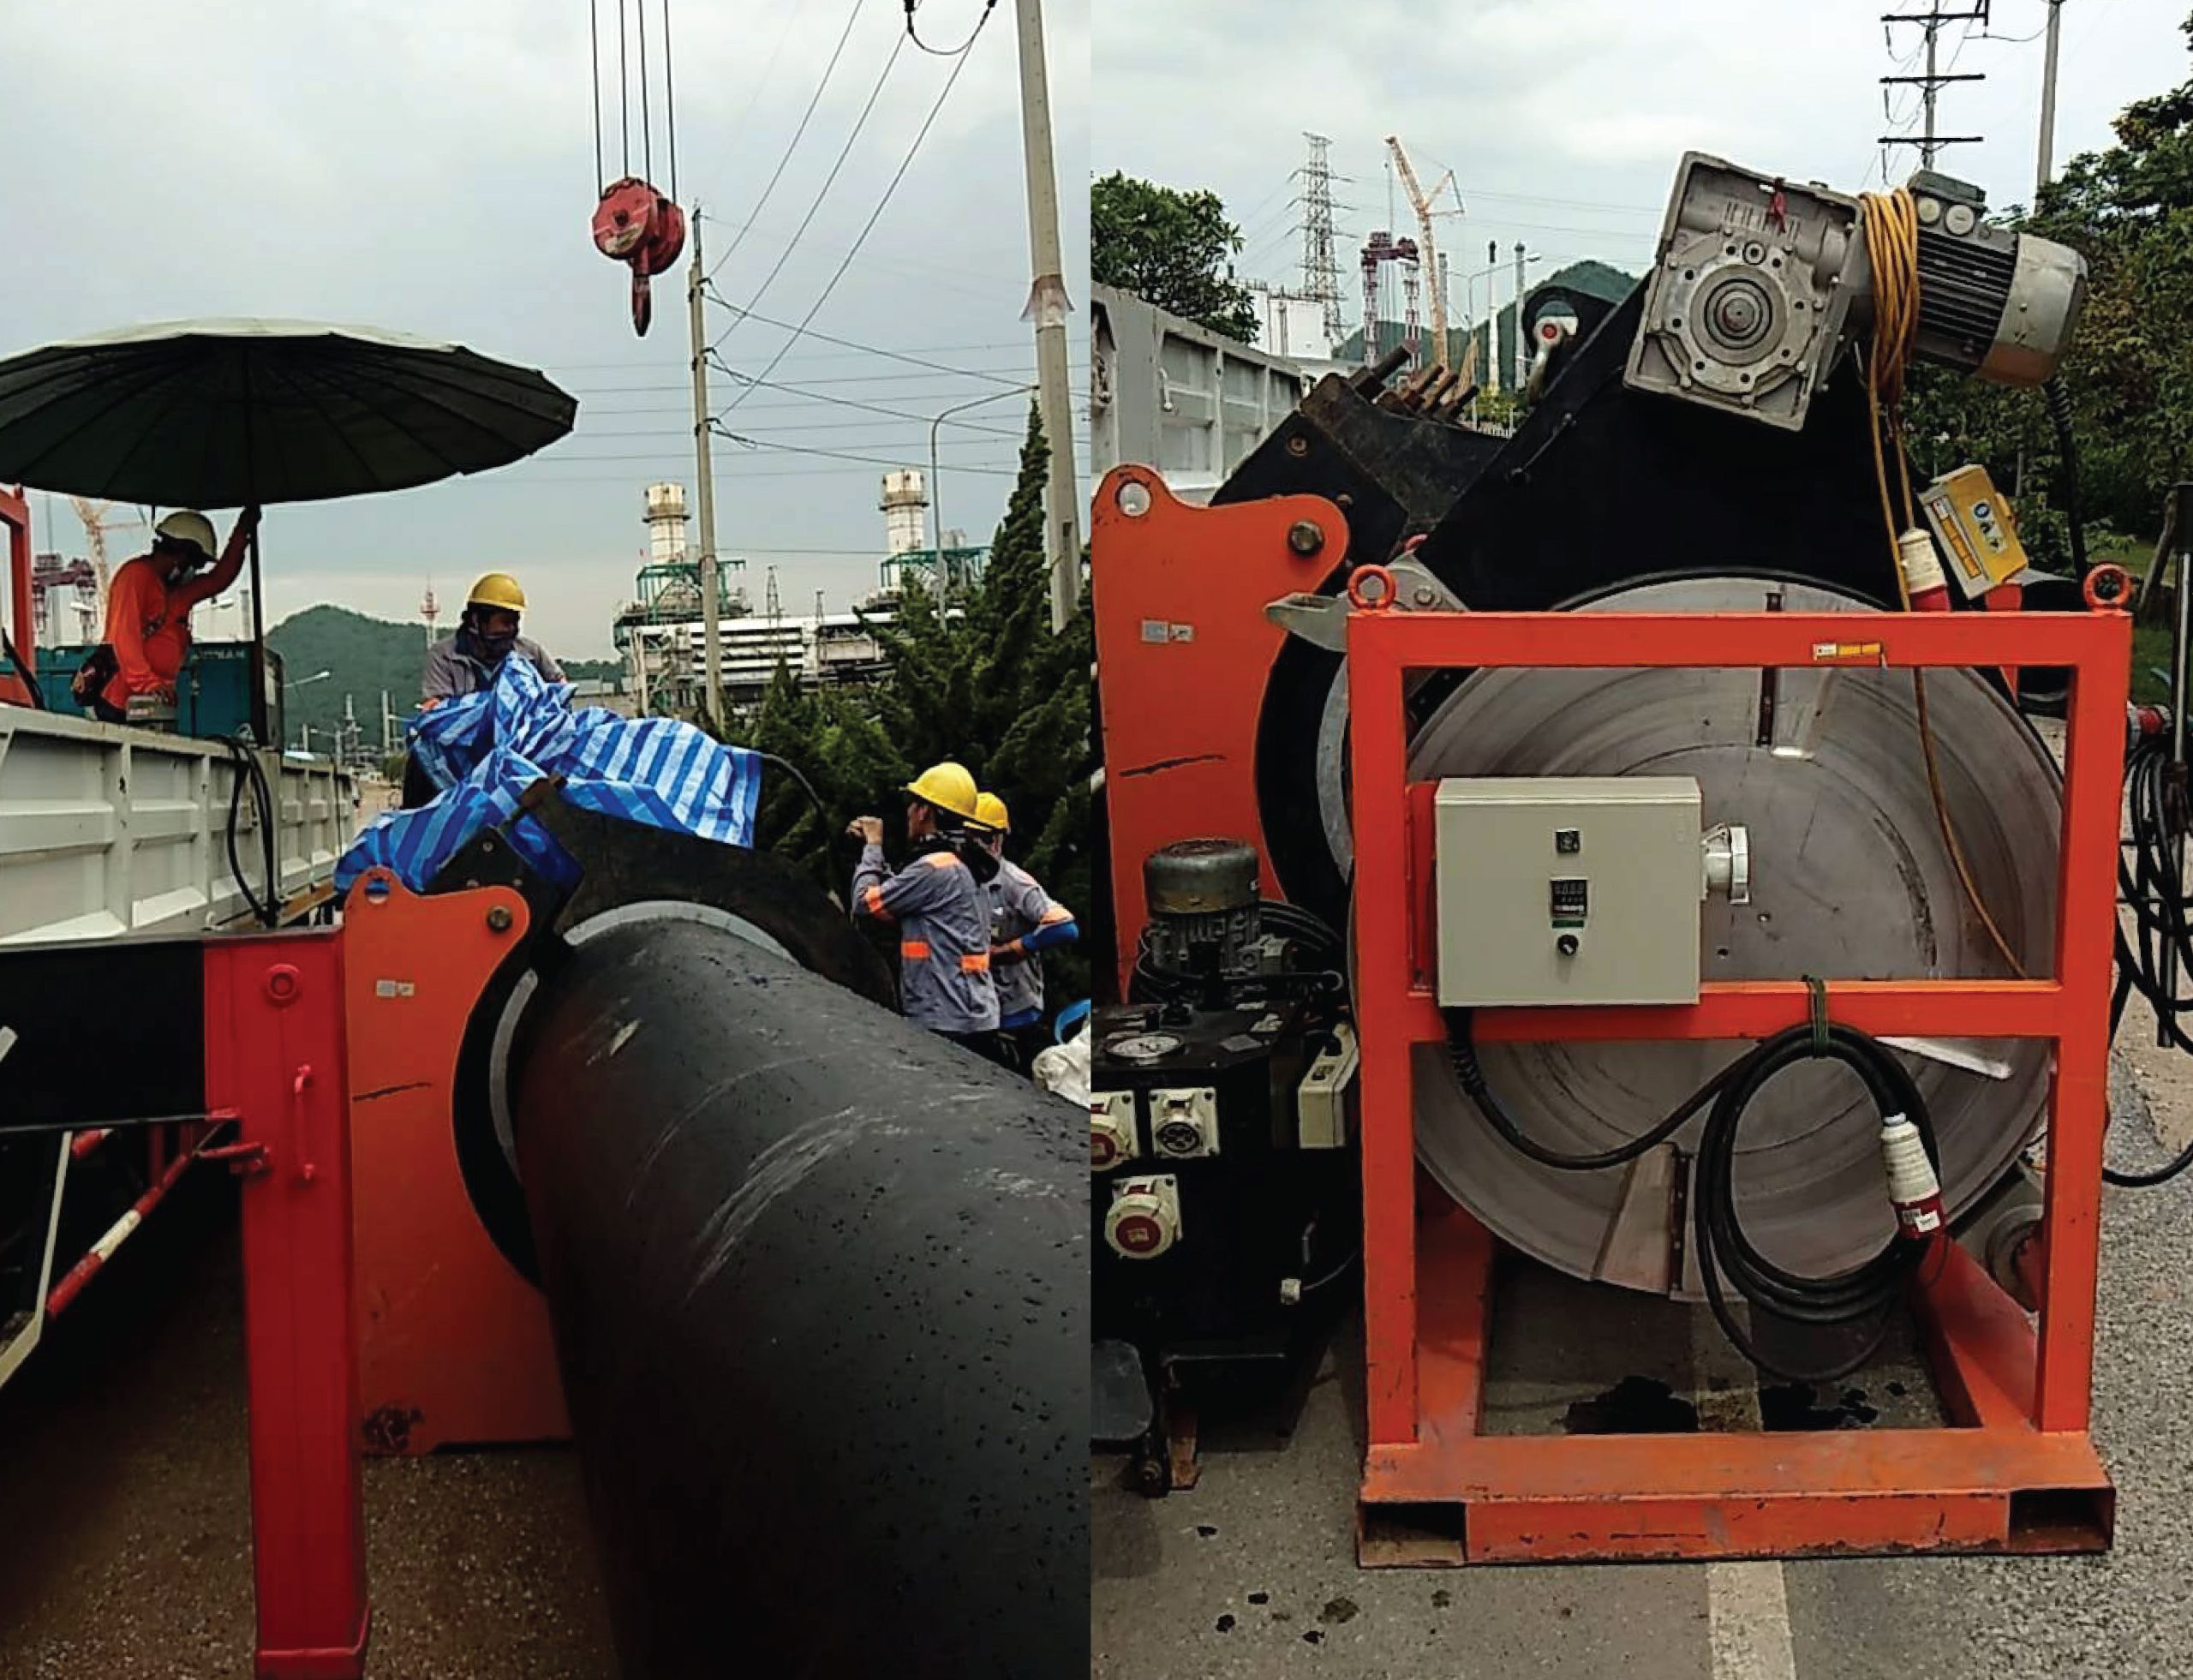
(483,750)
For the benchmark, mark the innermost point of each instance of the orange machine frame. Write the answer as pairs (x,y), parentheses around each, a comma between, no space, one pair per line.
(2017,1469)
(21,618)
(453,1343)
(1170,630)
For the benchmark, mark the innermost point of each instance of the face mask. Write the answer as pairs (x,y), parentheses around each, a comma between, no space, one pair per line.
(495,647)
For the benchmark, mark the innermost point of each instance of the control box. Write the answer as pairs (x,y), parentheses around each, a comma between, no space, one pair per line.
(1972,523)
(1568,889)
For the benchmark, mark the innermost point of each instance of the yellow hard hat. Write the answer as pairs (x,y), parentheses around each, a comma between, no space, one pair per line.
(948,786)
(185,525)
(990,812)
(498,590)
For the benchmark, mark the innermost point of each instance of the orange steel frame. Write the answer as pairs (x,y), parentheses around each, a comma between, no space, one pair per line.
(453,1343)
(1183,648)
(2017,1469)
(300,1026)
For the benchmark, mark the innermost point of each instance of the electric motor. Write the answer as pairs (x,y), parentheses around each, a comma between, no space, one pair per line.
(1205,911)
(1760,284)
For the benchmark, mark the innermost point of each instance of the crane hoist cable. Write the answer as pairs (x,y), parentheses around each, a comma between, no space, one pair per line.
(635,222)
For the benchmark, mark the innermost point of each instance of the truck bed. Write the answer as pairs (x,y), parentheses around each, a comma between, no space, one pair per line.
(106,829)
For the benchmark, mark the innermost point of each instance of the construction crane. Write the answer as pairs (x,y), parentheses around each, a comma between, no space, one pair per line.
(1421,201)
(96,526)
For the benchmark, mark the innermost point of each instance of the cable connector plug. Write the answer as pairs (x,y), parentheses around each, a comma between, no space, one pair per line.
(1913,1188)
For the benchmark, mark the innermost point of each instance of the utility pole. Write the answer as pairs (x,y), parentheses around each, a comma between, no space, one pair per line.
(1931,21)
(2045,167)
(1522,349)
(705,481)
(387,726)
(1492,317)
(1048,307)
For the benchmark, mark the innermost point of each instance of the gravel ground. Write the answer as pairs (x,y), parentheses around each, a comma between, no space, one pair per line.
(127,1550)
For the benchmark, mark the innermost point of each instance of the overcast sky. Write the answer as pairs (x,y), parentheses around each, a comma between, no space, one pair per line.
(1563,120)
(426,166)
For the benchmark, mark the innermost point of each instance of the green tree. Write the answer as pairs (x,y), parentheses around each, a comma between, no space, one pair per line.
(2129,211)
(977,676)
(1170,248)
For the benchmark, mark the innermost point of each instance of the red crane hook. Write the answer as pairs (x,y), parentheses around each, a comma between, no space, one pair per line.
(639,226)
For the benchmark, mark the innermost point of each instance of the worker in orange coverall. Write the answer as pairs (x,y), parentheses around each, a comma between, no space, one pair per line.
(149,606)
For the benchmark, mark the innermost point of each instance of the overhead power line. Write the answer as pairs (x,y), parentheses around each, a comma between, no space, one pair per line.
(768,68)
(946,52)
(792,145)
(822,297)
(906,356)
(784,255)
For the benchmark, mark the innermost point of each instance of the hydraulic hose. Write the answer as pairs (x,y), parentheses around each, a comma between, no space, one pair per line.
(26,669)
(2149,885)
(2058,402)
(1866,1294)
(249,770)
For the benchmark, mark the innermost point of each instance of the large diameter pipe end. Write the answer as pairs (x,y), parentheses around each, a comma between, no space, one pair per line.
(819,1285)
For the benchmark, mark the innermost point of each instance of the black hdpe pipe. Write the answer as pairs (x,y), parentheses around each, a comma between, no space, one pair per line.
(818,1283)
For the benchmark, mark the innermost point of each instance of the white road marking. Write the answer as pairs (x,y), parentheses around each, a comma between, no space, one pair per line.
(1747,1604)
(1747,1610)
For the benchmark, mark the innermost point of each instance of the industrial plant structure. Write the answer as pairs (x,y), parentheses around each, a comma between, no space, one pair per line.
(658,632)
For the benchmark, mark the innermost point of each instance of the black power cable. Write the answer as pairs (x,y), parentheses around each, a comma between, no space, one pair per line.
(27,670)
(250,773)
(1866,1294)
(2149,885)
(2057,401)
(945,52)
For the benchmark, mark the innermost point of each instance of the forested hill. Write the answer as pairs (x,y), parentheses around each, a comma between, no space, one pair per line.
(363,655)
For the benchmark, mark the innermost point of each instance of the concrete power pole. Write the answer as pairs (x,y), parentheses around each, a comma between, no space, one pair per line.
(2044,167)
(1522,349)
(705,481)
(1492,317)
(1049,308)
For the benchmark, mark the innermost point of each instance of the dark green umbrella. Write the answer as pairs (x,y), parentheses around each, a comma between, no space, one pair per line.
(221,413)
(226,413)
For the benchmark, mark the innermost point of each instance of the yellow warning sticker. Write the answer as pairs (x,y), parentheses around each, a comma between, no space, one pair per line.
(1830,653)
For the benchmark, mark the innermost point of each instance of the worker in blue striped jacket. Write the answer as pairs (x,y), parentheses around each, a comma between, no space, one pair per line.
(1025,921)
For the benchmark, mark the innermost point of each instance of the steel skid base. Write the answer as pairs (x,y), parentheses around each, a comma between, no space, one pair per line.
(1992,1483)
(2014,1468)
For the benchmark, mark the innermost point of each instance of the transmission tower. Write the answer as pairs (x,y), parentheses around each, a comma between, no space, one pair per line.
(1320,264)
(1930,143)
